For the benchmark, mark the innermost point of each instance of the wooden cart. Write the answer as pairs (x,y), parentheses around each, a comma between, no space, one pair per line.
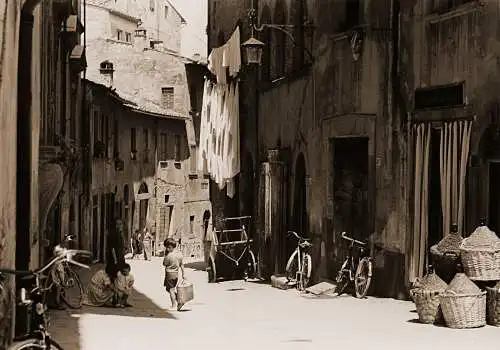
(231,255)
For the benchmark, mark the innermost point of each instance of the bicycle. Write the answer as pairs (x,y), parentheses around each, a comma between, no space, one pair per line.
(357,270)
(299,266)
(38,336)
(63,277)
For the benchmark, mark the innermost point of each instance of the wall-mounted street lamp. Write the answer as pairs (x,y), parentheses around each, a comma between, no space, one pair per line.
(253,47)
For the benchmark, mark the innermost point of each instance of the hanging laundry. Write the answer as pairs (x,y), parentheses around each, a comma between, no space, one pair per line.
(232,54)
(220,129)
(215,64)
(204,127)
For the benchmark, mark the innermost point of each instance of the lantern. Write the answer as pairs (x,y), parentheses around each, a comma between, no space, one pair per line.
(253,50)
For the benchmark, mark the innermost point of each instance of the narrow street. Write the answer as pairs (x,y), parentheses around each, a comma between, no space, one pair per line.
(249,315)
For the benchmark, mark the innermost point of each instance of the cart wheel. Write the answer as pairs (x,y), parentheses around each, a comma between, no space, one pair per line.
(211,272)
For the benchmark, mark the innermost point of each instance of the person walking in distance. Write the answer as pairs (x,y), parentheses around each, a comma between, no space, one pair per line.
(173,263)
(115,255)
(147,243)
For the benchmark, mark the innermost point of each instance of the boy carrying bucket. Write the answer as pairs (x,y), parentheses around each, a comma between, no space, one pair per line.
(173,263)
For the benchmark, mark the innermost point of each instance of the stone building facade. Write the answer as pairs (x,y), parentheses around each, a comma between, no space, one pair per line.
(151,79)
(39,94)
(356,133)
(323,137)
(451,50)
(159,18)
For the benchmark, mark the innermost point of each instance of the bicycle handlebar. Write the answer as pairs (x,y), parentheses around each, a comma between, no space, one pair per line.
(64,255)
(347,238)
(299,237)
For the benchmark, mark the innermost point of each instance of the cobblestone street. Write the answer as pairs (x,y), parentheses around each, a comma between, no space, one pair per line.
(249,315)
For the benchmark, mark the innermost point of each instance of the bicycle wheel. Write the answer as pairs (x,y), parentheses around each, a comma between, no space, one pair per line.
(342,280)
(292,266)
(306,271)
(72,289)
(32,344)
(363,277)
(252,265)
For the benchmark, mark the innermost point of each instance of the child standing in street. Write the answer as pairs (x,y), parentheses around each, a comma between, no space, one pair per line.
(173,263)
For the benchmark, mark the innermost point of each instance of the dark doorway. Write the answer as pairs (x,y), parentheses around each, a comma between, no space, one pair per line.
(102,235)
(435,223)
(95,227)
(52,230)
(299,214)
(143,207)
(206,221)
(494,194)
(248,190)
(350,187)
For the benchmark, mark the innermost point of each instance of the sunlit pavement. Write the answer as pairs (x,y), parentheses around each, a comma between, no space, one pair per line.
(246,315)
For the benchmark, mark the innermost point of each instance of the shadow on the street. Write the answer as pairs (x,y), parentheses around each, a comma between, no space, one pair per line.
(65,327)
(142,306)
(417,321)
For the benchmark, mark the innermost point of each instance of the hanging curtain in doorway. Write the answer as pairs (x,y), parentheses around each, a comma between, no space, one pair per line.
(454,152)
(422,134)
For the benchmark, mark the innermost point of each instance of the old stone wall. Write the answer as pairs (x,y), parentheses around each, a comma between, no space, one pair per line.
(303,108)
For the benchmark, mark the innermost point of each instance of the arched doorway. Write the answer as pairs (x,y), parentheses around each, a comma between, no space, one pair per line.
(143,206)
(206,221)
(299,214)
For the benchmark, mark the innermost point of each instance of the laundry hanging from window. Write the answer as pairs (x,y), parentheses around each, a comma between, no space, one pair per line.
(220,131)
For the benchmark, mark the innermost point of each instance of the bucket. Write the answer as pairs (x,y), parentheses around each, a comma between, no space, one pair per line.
(185,292)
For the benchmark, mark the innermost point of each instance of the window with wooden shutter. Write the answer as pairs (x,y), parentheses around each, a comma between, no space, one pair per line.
(167,95)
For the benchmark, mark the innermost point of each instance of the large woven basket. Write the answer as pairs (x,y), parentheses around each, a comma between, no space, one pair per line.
(493,306)
(481,263)
(428,306)
(445,264)
(464,310)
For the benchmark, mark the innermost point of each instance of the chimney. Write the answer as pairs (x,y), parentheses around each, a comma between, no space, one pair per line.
(141,38)
(107,71)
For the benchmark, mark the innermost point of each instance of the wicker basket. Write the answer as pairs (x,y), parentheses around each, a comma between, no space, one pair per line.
(464,310)
(428,305)
(425,294)
(481,263)
(493,306)
(445,264)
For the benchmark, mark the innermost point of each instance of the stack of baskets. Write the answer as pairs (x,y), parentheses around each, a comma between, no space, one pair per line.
(480,256)
(463,303)
(445,255)
(426,297)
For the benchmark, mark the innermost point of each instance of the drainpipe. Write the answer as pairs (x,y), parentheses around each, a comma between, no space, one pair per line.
(24,142)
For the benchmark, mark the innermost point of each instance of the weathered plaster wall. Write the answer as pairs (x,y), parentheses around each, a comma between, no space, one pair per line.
(9,39)
(461,44)
(35,136)
(159,27)
(157,69)
(336,97)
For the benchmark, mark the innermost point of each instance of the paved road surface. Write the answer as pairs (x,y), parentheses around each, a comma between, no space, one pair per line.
(239,315)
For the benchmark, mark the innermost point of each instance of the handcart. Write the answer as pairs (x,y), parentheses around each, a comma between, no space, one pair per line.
(231,255)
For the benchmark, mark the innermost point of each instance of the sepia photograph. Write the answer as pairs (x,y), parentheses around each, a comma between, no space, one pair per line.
(249,174)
